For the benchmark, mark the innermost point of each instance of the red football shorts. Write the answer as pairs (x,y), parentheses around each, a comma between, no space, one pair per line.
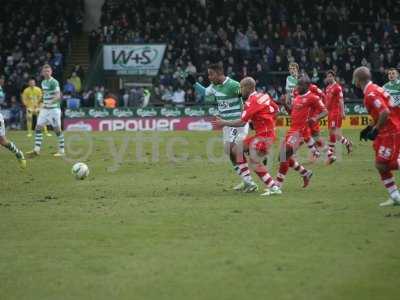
(314,128)
(260,143)
(387,148)
(294,137)
(306,133)
(334,120)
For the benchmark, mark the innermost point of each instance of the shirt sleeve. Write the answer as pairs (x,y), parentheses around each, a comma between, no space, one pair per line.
(202,90)
(40,94)
(339,93)
(24,97)
(275,107)
(56,86)
(249,110)
(375,104)
(316,90)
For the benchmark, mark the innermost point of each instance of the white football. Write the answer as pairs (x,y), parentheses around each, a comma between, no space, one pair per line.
(80,170)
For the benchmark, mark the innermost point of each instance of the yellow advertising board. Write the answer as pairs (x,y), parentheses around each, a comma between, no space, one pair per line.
(351,121)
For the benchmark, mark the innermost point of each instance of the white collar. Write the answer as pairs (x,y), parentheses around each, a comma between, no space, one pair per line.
(226,80)
(368,84)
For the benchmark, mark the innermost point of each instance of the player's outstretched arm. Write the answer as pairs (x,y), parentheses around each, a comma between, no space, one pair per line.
(198,87)
(218,122)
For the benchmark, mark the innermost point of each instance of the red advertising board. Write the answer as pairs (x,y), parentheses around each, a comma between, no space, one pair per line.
(139,124)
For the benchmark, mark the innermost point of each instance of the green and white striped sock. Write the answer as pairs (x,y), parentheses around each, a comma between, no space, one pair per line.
(61,143)
(38,140)
(18,153)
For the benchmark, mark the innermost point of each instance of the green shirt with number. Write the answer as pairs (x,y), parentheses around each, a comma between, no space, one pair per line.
(228,98)
(393,88)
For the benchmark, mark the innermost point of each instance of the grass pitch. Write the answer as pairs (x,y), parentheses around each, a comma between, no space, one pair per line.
(172,228)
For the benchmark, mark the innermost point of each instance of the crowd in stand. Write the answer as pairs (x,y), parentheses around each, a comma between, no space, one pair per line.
(33,32)
(257,38)
(252,37)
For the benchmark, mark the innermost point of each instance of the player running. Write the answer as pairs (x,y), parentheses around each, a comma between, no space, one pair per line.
(307,109)
(50,114)
(384,131)
(32,99)
(335,105)
(393,88)
(226,93)
(312,136)
(10,145)
(260,110)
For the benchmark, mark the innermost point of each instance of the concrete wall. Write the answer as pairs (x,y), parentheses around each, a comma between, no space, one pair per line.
(92,14)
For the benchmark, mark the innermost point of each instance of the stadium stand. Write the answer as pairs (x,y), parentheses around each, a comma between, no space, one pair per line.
(34,33)
(257,38)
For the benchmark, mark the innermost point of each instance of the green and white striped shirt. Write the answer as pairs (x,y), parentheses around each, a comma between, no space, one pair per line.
(50,88)
(228,98)
(291,83)
(393,88)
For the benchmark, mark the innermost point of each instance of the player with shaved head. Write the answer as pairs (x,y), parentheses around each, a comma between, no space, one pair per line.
(260,110)
(307,109)
(384,131)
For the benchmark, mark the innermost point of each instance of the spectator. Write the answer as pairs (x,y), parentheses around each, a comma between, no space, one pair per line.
(99,96)
(110,101)
(125,98)
(79,72)
(242,43)
(15,113)
(69,88)
(178,97)
(167,94)
(190,69)
(190,97)
(73,102)
(136,96)
(88,98)
(76,82)
(156,96)
(146,97)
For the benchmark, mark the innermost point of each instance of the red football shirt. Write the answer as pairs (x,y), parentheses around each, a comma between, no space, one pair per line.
(261,110)
(334,98)
(316,91)
(304,107)
(313,89)
(377,100)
